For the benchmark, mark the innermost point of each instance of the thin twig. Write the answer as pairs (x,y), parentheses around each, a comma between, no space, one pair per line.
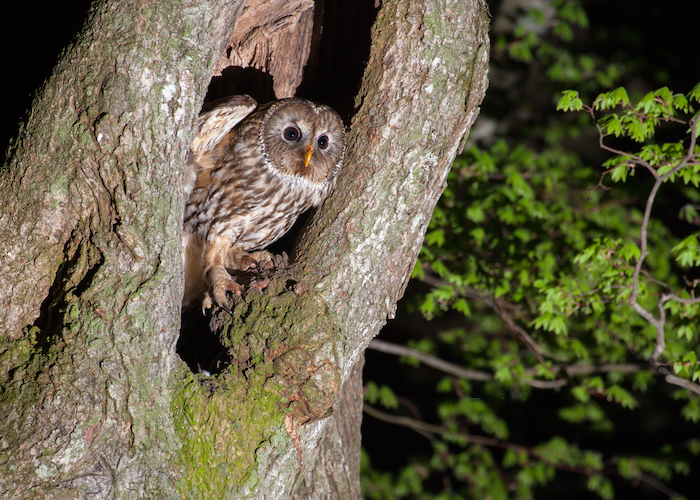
(427,359)
(581,369)
(514,327)
(458,371)
(633,158)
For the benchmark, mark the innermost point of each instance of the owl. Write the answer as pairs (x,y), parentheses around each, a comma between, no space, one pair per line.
(251,171)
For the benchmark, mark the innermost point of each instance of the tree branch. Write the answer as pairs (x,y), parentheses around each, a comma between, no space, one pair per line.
(680,300)
(681,382)
(458,371)
(658,485)
(427,359)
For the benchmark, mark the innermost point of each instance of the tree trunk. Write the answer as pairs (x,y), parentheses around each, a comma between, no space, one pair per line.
(95,402)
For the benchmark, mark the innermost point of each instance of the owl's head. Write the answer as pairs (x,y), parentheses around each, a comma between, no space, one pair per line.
(304,139)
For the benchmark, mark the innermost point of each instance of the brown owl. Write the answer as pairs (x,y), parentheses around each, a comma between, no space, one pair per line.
(251,171)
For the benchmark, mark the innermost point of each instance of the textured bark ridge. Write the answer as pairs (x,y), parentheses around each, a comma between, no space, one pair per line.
(336,471)
(421,91)
(90,224)
(94,401)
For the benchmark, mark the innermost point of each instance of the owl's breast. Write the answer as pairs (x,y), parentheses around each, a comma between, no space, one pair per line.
(249,207)
(269,219)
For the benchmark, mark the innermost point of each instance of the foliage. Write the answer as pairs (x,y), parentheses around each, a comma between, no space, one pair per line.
(545,274)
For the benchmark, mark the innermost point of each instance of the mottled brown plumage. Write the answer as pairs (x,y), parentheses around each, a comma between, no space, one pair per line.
(249,176)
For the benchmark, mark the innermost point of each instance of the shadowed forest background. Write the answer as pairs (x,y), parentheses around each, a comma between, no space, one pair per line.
(532,440)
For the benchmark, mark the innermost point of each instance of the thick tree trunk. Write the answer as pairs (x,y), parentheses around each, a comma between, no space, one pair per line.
(95,401)
(91,255)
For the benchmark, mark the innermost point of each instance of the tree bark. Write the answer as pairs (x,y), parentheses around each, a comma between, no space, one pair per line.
(95,402)
(90,233)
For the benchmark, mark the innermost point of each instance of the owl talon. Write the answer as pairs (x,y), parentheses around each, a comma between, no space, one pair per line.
(207,303)
(264,260)
(281,261)
(221,282)
(229,285)
(247,263)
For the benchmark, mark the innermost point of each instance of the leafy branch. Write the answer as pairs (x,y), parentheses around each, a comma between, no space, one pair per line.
(500,307)
(665,162)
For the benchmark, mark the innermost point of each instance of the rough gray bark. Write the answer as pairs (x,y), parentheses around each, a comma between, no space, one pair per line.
(95,402)
(90,224)
(425,79)
(336,471)
(421,91)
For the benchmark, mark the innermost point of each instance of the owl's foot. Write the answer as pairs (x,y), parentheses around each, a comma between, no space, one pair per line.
(281,260)
(264,260)
(220,283)
(242,260)
(254,261)
(268,261)
(261,260)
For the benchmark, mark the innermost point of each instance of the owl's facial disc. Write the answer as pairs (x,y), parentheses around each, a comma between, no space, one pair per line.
(303,139)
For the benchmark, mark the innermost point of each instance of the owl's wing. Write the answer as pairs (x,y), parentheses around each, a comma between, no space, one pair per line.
(216,120)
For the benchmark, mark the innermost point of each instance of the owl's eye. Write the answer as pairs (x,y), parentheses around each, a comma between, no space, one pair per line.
(291,134)
(323,142)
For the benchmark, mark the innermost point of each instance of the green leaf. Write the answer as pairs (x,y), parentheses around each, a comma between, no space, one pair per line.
(687,252)
(476,214)
(570,101)
(462,306)
(387,398)
(621,396)
(601,485)
(691,411)
(435,237)
(694,94)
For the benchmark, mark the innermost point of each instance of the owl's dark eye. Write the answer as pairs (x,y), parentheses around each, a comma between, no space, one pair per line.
(323,142)
(291,134)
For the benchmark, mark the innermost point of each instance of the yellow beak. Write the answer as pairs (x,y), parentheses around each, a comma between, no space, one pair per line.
(307,154)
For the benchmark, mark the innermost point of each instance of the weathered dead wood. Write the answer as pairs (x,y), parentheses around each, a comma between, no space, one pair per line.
(274,37)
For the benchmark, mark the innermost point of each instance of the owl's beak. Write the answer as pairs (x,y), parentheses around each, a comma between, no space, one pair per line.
(308,151)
